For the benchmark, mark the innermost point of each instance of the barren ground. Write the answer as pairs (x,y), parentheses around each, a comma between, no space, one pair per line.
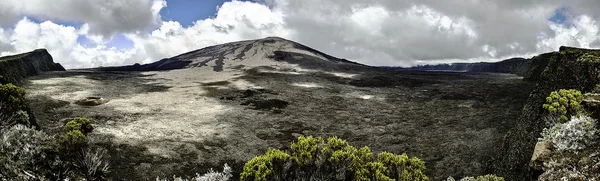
(186,121)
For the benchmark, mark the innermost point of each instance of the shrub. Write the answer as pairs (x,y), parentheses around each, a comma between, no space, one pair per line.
(94,164)
(73,139)
(314,159)
(24,154)
(479,178)
(210,176)
(19,117)
(576,134)
(12,97)
(564,103)
(82,124)
(12,101)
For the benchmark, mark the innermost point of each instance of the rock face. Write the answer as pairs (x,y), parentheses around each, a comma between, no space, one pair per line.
(15,68)
(541,153)
(569,68)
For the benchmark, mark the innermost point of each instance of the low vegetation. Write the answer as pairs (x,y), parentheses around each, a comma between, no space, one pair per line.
(479,178)
(575,140)
(12,106)
(564,103)
(334,159)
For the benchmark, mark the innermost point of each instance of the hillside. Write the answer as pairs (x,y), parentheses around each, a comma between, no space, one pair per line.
(251,53)
(230,102)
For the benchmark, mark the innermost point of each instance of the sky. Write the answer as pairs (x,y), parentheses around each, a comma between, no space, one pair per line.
(92,33)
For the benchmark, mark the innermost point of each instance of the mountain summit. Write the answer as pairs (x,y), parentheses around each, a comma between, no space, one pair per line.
(250,53)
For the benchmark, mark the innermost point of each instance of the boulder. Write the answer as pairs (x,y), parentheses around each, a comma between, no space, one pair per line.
(542,153)
(91,101)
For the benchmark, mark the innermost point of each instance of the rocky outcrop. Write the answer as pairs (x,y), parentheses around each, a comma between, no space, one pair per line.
(569,68)
(17,67)
(92,101)
(542,153)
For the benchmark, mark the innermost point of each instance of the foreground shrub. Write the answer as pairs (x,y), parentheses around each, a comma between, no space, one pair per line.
(10,119)
(479,178)
(82,124)
(564,103)
(75,138)
(210,176)
(26,154)
(93,163)
(314,159)
(12,104)
(576,134)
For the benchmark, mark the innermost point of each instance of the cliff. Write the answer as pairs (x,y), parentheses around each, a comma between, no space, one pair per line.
(569,68)
(17,67)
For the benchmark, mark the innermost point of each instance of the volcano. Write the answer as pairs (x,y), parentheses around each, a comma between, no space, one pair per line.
(230,102)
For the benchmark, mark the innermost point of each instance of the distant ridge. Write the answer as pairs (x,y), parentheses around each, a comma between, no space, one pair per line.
(517,66)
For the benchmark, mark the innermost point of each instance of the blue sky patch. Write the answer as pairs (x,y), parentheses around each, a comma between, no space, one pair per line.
(562,16)
(186,12)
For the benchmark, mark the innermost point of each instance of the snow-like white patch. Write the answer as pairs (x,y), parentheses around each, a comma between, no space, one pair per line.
(366,96)
(281,72)
(243,84)
(80,87)
(307,85)
(343,75)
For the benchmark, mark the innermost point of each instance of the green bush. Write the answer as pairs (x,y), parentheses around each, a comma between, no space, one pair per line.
(12,105)
(564,103)
(84,125)
(75,137)
(316,159)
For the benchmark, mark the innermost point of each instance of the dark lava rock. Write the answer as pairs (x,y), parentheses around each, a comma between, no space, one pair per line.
(268,104)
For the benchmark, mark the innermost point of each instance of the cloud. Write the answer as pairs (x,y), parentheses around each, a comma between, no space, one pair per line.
(384,32)
(409,32)
(105,17)
(234,21)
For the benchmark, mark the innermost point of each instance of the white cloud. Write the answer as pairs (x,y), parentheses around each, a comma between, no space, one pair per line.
(384,32)
(105,17)
(234,21)
(583,32)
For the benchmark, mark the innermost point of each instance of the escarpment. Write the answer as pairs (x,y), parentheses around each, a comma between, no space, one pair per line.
(569,68)
(17,67)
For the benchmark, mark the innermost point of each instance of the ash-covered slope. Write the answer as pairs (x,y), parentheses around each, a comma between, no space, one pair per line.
(250,53)
(16,67)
